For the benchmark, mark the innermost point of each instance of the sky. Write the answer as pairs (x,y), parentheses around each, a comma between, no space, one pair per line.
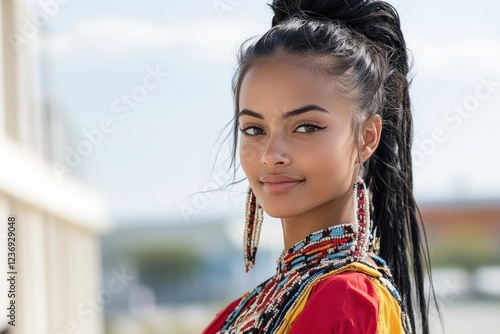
(154,79)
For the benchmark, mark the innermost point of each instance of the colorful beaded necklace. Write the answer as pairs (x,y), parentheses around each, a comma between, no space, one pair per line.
(263,310)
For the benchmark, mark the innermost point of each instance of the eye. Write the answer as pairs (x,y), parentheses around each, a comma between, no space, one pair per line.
(252,130)
(309,128)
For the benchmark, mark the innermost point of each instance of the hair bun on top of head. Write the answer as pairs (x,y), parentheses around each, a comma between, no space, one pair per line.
(315,9)
(376,20)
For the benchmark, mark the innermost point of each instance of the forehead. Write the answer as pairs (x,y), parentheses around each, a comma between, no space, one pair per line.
(280,85)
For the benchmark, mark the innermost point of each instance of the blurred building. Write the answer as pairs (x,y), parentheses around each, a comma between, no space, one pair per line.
(464,233)
(464,243)
(180,274)
(181,263)
(57,219)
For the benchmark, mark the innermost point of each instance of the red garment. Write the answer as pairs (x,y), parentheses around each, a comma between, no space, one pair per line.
(220,318)
(342,303)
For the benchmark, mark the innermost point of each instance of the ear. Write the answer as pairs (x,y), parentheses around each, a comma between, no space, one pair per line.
(370,136)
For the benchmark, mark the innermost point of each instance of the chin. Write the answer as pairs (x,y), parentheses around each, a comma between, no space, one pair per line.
(281,212)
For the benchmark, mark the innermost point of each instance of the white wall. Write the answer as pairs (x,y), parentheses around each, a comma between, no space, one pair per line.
(57,221)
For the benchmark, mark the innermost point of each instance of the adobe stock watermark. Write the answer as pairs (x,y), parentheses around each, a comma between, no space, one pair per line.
(121,108)
(451,290)
(86,310)
(30,28)
(201,200)
(222,7)
(454,117)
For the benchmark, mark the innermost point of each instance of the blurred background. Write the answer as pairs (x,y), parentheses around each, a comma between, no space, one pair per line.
(114,161)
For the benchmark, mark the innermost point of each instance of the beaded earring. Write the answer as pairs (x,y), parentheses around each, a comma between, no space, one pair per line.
(254,216)
(362,223)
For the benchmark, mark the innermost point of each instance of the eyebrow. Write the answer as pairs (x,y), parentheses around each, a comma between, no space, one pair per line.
(288,114)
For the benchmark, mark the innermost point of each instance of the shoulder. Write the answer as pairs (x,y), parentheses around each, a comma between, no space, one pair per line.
(341,303)
(220,318)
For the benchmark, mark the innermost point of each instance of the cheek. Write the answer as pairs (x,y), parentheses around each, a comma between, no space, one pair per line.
(323,165)
(248,151)
(329,164)
(249,157)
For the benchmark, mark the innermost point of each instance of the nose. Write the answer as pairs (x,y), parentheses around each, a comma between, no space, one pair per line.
(275,152)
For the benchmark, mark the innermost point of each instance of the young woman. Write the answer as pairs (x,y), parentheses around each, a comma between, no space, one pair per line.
(323,111)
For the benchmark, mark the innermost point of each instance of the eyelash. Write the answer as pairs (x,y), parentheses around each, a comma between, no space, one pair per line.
(315,125)
(246,127)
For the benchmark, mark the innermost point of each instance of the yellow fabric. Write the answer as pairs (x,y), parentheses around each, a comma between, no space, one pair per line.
(389,313)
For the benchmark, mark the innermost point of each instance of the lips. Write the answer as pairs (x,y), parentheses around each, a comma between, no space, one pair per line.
(279,183)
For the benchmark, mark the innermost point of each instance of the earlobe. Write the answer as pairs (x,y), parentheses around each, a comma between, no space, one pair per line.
(370,136)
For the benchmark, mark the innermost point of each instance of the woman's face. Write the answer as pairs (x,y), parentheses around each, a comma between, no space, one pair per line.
(296,142)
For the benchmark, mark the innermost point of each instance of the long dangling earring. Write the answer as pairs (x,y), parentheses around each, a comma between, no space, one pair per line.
(254,216)
(362,222)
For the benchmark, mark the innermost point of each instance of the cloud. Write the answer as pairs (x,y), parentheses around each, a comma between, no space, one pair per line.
(475,53)
(114,36)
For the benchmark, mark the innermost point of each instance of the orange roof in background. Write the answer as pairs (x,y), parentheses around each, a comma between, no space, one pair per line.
(483,212)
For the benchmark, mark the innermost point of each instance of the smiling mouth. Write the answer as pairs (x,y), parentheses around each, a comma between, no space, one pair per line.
(280,187)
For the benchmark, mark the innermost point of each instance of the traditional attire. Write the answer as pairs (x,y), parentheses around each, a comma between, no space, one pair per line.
(320,286)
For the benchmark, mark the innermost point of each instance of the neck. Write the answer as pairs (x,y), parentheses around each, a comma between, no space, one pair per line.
(296,228)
